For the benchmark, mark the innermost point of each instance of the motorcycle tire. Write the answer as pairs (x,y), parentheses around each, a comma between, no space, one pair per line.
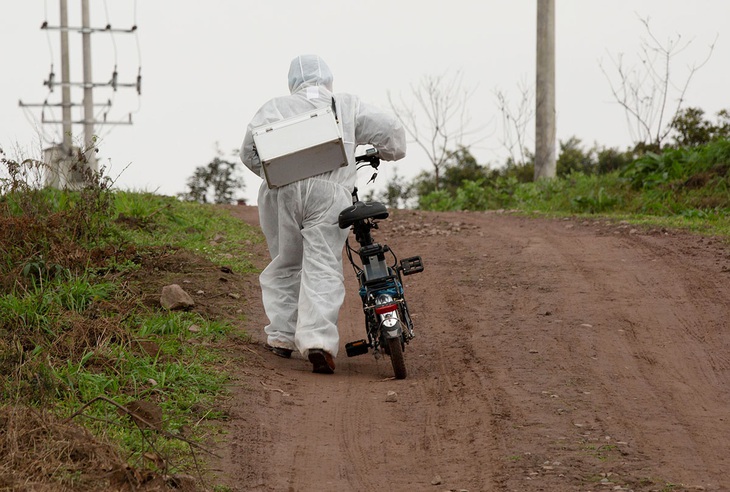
(395,349)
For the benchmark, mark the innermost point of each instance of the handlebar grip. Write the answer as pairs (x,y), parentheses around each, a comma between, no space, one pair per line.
(370,156)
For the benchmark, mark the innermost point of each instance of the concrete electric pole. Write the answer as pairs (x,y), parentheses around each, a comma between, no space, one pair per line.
(65,83)
(69,166)
(89,151)
(545,165)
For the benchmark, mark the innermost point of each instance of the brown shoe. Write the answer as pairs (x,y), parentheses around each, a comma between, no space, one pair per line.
(322,362)
(281,352)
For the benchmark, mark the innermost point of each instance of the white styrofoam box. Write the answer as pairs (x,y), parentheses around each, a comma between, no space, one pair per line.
(300,147)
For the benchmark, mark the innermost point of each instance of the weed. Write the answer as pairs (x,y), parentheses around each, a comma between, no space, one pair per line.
(594,203)
(603,452)
(179,324)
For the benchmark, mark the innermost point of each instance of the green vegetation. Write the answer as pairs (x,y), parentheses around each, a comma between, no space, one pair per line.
(684,187)
(76,339)
(685,184)
(160,221)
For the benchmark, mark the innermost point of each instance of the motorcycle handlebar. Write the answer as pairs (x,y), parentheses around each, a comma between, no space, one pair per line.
(371,157)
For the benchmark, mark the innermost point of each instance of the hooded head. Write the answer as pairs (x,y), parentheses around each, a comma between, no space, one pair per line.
(309,71)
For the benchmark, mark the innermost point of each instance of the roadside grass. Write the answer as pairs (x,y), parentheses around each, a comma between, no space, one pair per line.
(178,375)
(78,344)
(685,188)
(159,221)
(610,196)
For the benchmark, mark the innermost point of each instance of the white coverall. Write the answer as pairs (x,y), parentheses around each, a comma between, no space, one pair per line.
(303,286)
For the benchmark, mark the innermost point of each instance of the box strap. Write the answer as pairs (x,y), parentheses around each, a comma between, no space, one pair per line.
(334,109)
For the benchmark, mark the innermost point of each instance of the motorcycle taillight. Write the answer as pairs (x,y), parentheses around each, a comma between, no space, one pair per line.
(386,308)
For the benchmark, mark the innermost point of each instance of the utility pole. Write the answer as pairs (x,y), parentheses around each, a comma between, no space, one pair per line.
(65,83)
(69,166)
(89,148)
(545,164)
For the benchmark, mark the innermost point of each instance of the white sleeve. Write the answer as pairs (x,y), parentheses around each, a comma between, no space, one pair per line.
(382,130)
(248,154)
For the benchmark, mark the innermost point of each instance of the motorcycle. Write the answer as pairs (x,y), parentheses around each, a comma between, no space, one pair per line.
(388,324)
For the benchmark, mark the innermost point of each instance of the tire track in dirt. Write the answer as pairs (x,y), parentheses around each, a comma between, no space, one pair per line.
(657,311)
(674,320)
(549,355)
(458,419)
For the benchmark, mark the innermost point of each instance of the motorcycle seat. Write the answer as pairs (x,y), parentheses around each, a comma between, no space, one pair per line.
(361,211)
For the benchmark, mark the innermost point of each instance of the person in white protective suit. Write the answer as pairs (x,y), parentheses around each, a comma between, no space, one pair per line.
(303,286)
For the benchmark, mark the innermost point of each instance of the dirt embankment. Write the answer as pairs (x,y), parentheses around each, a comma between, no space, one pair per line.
(550,355)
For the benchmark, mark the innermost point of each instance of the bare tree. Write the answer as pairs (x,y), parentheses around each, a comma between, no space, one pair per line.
(515,122)
(645,91)
(440,120)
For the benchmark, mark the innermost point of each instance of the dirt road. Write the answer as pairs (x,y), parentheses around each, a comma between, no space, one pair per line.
(550,355)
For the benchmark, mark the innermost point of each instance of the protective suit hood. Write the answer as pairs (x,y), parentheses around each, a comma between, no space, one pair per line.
(309,71)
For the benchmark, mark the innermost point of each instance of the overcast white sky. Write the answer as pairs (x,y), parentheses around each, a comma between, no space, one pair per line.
(208,66)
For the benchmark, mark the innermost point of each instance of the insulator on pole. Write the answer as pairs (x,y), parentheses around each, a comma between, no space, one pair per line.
(51,80)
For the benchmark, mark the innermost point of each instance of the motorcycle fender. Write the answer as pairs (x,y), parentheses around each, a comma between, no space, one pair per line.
(395,331)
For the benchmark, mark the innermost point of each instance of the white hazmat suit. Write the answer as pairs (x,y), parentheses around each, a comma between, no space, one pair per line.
(303,286)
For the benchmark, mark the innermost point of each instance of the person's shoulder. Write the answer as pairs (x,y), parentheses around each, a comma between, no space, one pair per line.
(277,100)
(273,104)
(346,95)
(346,99)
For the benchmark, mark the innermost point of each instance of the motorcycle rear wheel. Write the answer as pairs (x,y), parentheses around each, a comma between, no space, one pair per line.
(395,347)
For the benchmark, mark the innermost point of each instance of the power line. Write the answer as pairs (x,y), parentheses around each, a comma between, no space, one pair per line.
(92,116)
(114,83)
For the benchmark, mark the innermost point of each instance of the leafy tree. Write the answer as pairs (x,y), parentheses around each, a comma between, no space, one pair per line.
(691,128)
(523,172)
(218,178)
(611,159)
(573,158)
(596,160)
(460,165)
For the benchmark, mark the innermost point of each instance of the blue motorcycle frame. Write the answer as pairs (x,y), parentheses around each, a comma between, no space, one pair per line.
(388,324)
